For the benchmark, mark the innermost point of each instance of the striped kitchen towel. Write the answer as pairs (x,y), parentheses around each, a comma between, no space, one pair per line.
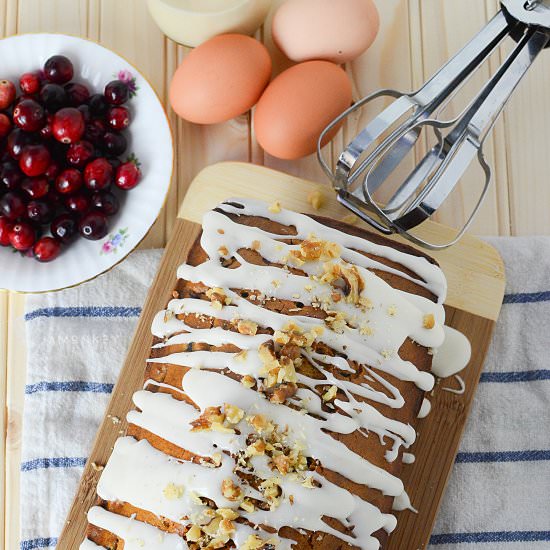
(499,493)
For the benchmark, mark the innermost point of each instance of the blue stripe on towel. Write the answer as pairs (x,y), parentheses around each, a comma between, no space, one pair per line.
(490,536)
(527,298)
(71,386)
(38,543)
(516,376)
(58,462)
(91,311)
(503,456)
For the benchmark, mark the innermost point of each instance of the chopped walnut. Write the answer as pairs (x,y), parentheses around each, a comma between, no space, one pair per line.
(247,381)
(313,249)
(193,534)
(256,245)
(256,449)
(353,282)
(231,491)
(218,298)
(275,207)
(366,329)
(260,423)
(173,491)
(282,463)
(428,321)
(248,506)
(330,394)
(233,414)
(316,199)
(223,250)
(392,310)
(221,231)
(308,483)
(282,393)
(249,328)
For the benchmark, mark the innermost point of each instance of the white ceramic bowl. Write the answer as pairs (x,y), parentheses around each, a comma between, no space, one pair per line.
(149,139)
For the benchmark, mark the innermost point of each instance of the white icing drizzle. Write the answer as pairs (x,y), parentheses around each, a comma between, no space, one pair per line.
(89,545)
(408,458)
(403,502)
(453,355)
(425,409)
(462,386)
(136,534)
(138,473)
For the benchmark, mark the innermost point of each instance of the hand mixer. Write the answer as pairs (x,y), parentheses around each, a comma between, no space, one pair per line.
(383,144)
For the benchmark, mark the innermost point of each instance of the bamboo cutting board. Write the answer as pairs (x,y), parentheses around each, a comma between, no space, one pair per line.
(476,286)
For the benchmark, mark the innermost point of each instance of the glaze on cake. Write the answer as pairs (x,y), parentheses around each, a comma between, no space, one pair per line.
(281,393)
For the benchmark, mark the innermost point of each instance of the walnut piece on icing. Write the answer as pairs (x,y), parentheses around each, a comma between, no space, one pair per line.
(428,321)
(231,491)
(173,491)
(248,328)
(275,207)
(314,249)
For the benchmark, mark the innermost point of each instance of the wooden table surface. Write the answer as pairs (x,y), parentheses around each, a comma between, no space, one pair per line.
(416,37)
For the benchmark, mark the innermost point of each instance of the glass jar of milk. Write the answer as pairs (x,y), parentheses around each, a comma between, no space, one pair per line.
(191,22)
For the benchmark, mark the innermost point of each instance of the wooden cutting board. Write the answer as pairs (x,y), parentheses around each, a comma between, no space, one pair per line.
(476,286)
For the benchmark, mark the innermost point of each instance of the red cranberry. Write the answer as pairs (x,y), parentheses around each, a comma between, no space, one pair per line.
(106,202)
(116,92)
(12,206)
(68,125)
(114,144)
(7,94)
(77,204)
(114,162)
(46,249)
(34,160)
(53,170)
(5,229)
(29,115)
(95,131)
(10,175)
(93,225)
(30,82)
(98,105)
(22,236)
(86,114)
(39,212)
(17,141)
(128,175)
(54,97)
(68,182)
(5,125)
(58,69)
(98,174)
(64,228)
(77,93)
(79,154)
(36,188)
(118,118)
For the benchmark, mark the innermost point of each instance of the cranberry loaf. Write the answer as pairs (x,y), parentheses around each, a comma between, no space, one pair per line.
(281,392)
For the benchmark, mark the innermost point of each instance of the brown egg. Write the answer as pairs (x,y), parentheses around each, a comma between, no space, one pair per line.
(221,79)
(298,105)
(334,30)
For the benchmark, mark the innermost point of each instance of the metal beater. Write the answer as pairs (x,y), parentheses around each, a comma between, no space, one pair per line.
(380,148)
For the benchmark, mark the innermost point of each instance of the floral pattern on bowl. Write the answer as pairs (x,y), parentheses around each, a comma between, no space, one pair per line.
(114,242)
(129,79)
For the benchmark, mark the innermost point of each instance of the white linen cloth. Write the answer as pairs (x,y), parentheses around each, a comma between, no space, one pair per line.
(499,493)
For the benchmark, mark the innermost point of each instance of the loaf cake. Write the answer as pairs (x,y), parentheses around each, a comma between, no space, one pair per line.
(281,392)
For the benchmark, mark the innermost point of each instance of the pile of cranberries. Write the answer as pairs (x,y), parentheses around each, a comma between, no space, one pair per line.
(60,159)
